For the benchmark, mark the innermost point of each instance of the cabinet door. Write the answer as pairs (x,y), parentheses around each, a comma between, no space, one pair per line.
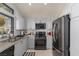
(74,10)
(74,37)
(20,25)
(31,42)
(25,44)
(19,49)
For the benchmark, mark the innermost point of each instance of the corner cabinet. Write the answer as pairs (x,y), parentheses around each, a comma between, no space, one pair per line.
(21,47)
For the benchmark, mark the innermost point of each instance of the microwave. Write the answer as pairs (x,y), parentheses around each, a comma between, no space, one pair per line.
(40,25)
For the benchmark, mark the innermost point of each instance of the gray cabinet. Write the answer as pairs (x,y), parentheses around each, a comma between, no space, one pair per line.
(21,47)
(49,43)
(20,25)
(25,44)
(31,42)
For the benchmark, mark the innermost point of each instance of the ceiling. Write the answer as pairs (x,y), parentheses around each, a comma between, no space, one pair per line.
(39,9)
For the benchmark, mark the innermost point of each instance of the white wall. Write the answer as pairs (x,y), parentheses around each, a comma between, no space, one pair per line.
(73,11)
(31,27)
(74,30)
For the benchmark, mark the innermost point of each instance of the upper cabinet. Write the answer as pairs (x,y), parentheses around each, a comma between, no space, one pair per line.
(20,25)
(74,10)
(19,20)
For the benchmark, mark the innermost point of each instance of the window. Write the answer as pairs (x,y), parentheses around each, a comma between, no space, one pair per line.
(6,22)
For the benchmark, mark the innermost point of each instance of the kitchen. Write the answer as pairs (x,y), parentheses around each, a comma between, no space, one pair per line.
(17,39)
(31,31)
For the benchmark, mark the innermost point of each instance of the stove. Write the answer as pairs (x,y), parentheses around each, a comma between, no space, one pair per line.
(40,41)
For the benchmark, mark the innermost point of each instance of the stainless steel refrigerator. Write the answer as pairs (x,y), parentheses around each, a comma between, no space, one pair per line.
(61,36)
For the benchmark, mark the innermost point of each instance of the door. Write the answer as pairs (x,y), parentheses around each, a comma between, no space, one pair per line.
(61,35)
(57,35)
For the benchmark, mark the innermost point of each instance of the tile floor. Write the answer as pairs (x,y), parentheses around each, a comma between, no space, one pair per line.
(47,52)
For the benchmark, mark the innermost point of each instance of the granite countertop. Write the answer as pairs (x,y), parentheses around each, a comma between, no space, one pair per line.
(5,44)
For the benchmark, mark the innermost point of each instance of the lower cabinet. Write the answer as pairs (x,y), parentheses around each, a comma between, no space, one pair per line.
(31,42)
(16,50)
(8,52)
(21,47)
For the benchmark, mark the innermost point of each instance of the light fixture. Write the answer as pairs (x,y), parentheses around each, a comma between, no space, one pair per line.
(45,3)
(29,4)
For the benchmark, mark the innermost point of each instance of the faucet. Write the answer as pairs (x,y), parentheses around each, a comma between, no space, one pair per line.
(11,37)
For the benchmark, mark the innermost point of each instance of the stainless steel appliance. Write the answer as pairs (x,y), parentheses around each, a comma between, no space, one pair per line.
(40,26)
(61,36)
(40,40)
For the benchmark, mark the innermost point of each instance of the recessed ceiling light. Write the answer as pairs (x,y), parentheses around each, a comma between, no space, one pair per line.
(45,3)
(29,4)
